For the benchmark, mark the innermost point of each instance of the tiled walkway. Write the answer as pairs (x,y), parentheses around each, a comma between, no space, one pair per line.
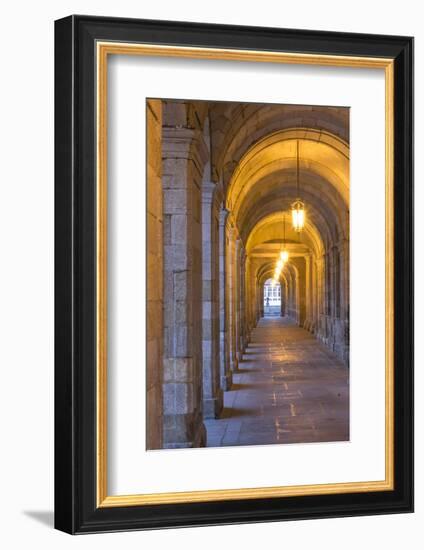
(289,389)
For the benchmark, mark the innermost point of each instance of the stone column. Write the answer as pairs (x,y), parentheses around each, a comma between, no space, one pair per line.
(231,294)
(184,157)
(315,295)
(249,299)
(292,294)
(289,304)
(282,298)
(154,371)
(241,302)
(228,290)
(308,292)
(261,300)
(225,371)
(344,296)
(344,279)
(330,297)
(300,289)
(237,297)
(321,296)
(212,392)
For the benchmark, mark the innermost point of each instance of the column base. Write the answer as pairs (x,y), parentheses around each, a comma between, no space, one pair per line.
(227,381)
(234,364)
(183,431)
(212,406)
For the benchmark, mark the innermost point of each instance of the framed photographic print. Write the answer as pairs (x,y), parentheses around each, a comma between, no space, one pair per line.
(234,274)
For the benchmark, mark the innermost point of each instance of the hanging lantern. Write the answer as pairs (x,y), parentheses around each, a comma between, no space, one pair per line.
(298,207)
(298,215)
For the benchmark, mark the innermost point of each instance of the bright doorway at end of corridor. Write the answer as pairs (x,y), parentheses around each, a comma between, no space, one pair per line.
(272,298)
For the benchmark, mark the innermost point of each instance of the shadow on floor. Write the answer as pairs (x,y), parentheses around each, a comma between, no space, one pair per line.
(237,387)
(233,412)
(249,371)
(46,517)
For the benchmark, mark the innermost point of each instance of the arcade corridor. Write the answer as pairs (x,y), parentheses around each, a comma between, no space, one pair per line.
(288,389)
(247,273)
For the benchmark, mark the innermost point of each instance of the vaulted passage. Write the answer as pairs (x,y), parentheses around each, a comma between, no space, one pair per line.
(247,273)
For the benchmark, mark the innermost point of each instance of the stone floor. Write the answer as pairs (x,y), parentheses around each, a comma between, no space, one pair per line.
(288,389)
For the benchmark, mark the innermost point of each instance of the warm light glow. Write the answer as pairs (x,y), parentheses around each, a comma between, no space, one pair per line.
(278,269)
(298,215)
(284,256)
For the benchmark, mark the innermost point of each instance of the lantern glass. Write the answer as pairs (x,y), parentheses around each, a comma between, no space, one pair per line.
(298,215)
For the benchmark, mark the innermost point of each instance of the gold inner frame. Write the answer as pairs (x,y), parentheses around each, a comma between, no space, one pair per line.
(103,50)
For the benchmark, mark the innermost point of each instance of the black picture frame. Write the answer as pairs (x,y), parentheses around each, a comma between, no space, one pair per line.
(75,275)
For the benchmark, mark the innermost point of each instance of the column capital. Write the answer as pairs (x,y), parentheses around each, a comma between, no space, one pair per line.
(184,143)
(223,215)
(208,189)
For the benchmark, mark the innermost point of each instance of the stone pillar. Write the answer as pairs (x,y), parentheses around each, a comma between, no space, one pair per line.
(261,301)
(292,290)
(329,300)
(283,301)
(231,294)
(154,372)
(224,361)
(289,304)
(344,279)
(241,299)
(249,299)
(228,291)
(315,294)
(344,296)
(236,299)
(321,296)
(212,392)
(300,286)
(308,292)
(293,293)
(258,304)
(184,157)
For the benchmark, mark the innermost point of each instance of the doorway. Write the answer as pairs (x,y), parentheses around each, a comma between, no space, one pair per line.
(272,298)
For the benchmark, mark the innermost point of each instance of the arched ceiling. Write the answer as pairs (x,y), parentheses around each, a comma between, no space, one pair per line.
(268,236)
(266,271)
(235,127)
(263,186)
(323,208)
(319,153)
